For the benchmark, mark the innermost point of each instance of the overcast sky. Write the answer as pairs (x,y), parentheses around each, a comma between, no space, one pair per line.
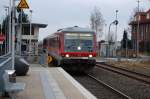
(63,13)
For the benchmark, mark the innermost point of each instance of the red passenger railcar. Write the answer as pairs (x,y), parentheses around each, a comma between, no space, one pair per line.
(72,48)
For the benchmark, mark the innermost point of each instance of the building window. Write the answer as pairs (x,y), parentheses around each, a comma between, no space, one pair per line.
(148,16)
(134,29)
(26,31)
(137,18)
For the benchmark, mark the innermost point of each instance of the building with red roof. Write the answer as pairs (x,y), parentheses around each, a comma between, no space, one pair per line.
(143,33)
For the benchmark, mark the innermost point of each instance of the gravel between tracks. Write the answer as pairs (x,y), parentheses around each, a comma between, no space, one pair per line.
(97,89)
(131,87)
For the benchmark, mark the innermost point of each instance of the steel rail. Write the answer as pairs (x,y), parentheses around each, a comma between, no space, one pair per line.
(108,86)
(123,69)
(131,74)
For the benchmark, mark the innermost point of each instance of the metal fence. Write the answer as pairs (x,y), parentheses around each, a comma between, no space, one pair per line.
(5,64)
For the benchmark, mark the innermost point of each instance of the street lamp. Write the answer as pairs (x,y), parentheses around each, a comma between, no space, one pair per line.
(116,33)
(115,22)
(30,30)
(116,25)
(13,34)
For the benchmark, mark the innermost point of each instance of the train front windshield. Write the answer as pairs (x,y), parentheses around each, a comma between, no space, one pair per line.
(78,42)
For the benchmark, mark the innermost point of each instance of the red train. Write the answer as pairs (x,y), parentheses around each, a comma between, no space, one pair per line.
(73,48)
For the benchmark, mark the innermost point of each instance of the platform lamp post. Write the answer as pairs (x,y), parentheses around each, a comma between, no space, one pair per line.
(5,28)
(20,35)
(115,22)
(10,41)
(13,34)
(30,30)
(6,32)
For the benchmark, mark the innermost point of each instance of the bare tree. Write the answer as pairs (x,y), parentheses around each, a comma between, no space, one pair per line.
(97,21)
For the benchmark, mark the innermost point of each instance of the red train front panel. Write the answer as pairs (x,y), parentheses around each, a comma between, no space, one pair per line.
(78,51)
(78,45)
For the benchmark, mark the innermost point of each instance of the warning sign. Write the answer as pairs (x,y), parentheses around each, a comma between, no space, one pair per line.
(23,5)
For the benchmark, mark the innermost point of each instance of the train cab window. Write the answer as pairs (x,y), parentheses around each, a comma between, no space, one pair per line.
(73,41)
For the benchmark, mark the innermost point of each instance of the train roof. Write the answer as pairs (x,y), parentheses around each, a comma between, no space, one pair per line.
(76,29)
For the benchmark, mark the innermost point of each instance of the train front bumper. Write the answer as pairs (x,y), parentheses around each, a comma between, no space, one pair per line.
(78,64)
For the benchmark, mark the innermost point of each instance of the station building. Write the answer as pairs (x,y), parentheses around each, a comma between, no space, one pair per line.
(143,36)
(29,41)
(108,49)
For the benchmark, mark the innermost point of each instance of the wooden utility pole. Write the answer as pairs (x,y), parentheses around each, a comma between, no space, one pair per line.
(137,35)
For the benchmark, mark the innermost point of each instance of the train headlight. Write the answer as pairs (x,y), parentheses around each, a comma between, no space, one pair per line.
(67,55)
(90,56)
(79,48)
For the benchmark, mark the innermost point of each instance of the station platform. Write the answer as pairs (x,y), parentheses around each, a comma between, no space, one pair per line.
(51,83)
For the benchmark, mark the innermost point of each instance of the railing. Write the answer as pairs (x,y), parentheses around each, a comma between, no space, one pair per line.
(3,57)
(5,61)
(5,64)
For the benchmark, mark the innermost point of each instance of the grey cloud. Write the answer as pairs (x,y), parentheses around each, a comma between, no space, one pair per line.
(62,13)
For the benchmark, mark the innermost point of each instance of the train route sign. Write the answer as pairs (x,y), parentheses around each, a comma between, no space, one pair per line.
(23,5)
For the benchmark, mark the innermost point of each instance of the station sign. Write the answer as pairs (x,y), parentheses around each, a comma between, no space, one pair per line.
(23,4)
(2,38)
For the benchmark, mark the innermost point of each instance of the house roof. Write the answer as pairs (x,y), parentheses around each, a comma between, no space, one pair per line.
(148,11)
(35,24)
(143,21)
(140,22)
(140,13)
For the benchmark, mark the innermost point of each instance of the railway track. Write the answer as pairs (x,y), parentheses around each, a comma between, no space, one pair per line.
(124,96)
(100,89)
(131,74)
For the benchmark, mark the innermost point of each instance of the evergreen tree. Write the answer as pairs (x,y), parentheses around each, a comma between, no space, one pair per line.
(125,42)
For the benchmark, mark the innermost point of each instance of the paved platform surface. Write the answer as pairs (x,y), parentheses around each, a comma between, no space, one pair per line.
(51,83)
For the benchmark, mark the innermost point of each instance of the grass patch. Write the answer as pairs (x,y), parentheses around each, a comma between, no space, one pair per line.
(147,53)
